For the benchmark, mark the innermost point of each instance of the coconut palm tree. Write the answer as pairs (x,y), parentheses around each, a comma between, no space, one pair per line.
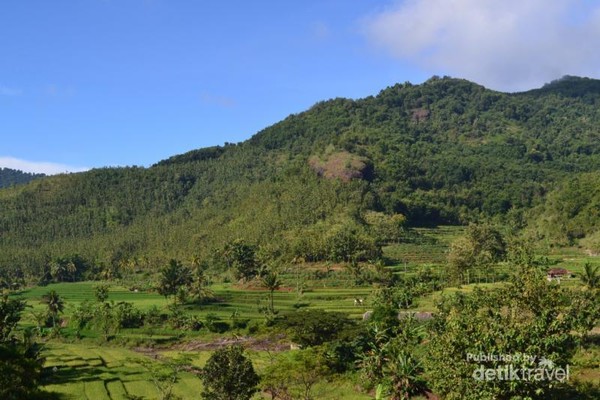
(270,281)
(71,270)
(57,270)
(55,305)
(591,276)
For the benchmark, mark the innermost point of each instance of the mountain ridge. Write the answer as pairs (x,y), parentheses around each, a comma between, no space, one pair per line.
(445,151)
(9,177)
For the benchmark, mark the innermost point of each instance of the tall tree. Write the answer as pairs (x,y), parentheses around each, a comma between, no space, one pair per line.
(101,292)
(229,375)
(270,281)
(241,257)
(20,364)
(55,305)
(10,315)
(481,246)
(173,277)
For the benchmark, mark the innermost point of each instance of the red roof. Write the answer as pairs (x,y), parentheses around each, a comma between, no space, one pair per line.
(558,272)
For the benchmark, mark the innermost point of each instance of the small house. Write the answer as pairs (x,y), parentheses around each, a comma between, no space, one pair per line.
(556,274)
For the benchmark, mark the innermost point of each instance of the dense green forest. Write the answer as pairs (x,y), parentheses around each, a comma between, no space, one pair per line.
(332,183)
(9,177)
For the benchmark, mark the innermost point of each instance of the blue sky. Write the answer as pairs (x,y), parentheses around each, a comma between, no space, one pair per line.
(91,83)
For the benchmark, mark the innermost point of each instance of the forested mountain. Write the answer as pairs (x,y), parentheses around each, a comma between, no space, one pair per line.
(445,151)
(9,177)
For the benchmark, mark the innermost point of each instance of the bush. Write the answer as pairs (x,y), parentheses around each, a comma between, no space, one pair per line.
(295,376)
(128,316)
(351,243)
(315,327)
(186,322)
(253,327)
(229,375)
(340,356)
(238,323)
(154,317)
(215,324)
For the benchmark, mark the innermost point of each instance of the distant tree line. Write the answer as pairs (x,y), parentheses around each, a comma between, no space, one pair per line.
(446,151)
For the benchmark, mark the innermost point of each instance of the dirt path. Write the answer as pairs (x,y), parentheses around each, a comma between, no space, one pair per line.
(273,343)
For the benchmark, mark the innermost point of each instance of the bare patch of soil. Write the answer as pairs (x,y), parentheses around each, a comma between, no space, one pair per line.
(274,343)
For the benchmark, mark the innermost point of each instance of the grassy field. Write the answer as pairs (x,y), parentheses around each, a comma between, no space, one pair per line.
(90,369)
(428,246)
(87,371)
(230,298)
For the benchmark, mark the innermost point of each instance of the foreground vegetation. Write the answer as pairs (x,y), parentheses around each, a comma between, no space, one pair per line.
(308,262)
(158,346)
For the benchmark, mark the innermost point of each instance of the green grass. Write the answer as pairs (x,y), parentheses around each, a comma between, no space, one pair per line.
(89,370)
(230,299)
(85,371)
(428,246)
(76,293)
(117,377)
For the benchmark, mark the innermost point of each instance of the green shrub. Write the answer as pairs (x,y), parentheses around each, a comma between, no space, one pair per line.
(128,316)
(215,324)
(315,327)
(154,317)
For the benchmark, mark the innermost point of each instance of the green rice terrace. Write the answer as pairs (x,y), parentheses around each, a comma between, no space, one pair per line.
(163,342)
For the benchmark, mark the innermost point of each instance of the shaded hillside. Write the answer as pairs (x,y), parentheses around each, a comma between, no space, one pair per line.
(571,212)
(445,151)
(9,177)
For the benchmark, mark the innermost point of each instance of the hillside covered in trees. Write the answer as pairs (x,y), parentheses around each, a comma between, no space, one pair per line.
(9,177)
(340,173)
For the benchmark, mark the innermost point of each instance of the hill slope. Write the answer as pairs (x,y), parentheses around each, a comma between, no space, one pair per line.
(444,151)
(9,177)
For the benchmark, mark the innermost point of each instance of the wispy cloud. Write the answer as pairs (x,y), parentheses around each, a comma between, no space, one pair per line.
(507,45)
(320,31)
(9,91)
(54,90)
(47,168)
(216,100)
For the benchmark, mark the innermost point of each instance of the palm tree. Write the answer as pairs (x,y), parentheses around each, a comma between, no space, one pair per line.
(591,276)
(57,271)
(71,270)
(199,285)
(55,305)
(196,261)
(270,280)
(173,277)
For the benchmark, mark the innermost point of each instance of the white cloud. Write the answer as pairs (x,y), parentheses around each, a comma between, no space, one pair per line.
(217,100)
(320,31)
(507,45)
(54,90)
(8,91)
(47,168)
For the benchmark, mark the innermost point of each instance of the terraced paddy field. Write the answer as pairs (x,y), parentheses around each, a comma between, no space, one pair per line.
(426,246)
(91,369)
(229,299)
(92,372)
(84,371)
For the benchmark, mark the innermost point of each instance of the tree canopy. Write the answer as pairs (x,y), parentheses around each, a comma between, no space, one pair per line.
(445,151)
